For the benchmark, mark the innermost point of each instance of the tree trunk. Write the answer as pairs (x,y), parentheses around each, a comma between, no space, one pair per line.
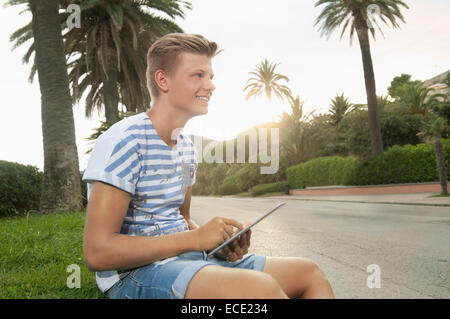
(110,88)
(440,161)
(61,184)
(369,77)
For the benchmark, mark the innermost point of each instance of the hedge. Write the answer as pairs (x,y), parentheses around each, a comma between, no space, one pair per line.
(399,164)
(323,171)
(268,188)
(229,187)
(20,188)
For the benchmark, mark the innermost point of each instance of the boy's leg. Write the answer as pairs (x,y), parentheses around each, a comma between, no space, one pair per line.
(219,282)
(299,277)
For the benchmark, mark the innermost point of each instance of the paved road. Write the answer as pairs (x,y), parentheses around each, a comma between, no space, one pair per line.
(410,244)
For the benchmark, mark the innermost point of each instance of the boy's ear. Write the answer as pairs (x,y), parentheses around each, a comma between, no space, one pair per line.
(161,79)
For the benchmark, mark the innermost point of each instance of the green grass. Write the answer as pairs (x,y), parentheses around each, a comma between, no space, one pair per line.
(249,194)
(244,194)
(272,194)
(35,252)
(439,195)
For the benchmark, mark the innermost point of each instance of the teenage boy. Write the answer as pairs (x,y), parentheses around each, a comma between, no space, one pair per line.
(139,235)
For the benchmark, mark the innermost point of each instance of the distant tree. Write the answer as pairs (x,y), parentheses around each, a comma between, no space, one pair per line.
(419,98)
(322,138)
(353,14)
(399,84)
(265,80)
(340,106)
(382,102)
(400,126)
(442,107)
(434,127)
(293,141)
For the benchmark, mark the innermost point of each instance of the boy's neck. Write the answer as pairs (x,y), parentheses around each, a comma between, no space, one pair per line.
(165,121)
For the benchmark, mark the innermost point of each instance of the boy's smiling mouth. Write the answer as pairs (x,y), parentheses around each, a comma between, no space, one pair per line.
(203,98)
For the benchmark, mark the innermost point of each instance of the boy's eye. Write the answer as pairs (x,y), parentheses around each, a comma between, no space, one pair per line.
(200,75)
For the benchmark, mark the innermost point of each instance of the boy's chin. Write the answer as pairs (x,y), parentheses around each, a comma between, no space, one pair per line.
(195,110)
(202,110)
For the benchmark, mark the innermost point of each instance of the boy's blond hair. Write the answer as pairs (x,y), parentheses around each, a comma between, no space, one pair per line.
(163,54)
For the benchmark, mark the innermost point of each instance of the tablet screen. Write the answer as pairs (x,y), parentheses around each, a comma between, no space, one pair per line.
(243,230)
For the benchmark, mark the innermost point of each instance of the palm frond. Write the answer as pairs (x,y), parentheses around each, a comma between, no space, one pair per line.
(115,34)
(341,13)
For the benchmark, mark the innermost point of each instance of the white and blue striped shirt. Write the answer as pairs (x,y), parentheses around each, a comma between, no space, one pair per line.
(131,156)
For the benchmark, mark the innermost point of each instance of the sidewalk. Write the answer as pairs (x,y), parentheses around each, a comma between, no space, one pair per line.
(404,194)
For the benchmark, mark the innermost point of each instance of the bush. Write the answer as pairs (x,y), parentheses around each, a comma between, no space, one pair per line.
(399,164)
(268,188)
(20,188)
(199,190)
(323,171)
(406,164)
(229,187)
(247,176)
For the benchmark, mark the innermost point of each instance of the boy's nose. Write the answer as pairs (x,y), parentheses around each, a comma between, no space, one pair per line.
(210,86)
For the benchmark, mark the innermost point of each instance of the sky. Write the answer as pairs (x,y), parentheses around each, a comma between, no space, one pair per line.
(248,32)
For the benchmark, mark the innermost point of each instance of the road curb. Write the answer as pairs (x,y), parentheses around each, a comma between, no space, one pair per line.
(363,202)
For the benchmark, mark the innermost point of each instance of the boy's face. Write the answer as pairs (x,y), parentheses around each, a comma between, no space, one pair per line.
(190,85)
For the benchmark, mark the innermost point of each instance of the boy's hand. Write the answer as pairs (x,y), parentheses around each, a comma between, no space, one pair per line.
(236,249)
(214,233)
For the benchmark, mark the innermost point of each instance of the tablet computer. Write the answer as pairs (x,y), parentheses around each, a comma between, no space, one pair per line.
(244,230)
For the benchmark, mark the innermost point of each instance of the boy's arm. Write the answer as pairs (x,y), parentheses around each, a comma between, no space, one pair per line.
(105,248)
(185,209)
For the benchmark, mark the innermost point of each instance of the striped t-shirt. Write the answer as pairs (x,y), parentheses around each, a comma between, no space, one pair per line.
(131,156)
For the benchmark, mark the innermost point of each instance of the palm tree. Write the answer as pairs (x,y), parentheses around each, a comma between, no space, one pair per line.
(447,80)
(61,185)
(419,98)
(340,106)
(433,126)
(265,79)
(353,14)
(293,141)
(108,52)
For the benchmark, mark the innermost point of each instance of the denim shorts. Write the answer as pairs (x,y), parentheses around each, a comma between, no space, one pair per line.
(169,278)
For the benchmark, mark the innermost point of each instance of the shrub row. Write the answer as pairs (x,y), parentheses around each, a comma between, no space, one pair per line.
(323,171)
(20,188)
(268,188)
(229,187)
(405,164)
(399,164)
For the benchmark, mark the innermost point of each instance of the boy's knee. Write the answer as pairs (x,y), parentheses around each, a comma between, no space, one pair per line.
(264,287)
(309,273)
(311,268)
(317,275)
